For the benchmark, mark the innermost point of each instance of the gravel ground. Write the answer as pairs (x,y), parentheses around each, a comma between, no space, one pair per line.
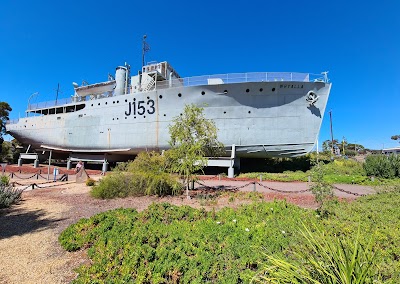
(29,248)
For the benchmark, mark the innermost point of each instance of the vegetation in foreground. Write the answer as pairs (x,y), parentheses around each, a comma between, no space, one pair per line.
(385,170)
(8,194)
(148,174)
(170,244)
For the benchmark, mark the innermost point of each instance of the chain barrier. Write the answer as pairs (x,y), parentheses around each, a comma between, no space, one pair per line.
(273,189)
(36,174)
(40,185)
(349,192)
(220,187)
(283,191)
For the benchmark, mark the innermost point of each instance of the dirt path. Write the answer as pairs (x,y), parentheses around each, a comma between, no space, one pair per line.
(29,251)
(29,248)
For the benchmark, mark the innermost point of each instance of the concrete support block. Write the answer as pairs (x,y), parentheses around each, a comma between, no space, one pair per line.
(36,164)
(231,172)
(105,167)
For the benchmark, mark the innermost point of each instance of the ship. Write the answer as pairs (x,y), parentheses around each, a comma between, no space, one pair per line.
(258,114)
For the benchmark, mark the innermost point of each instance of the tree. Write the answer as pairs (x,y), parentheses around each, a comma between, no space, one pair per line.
(327,145)
(193,138)
(4,112)
(395,137)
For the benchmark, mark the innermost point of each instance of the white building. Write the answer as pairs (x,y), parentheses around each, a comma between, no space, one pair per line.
(388,151)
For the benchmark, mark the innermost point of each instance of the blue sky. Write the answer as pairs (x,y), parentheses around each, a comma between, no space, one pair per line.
(44,43)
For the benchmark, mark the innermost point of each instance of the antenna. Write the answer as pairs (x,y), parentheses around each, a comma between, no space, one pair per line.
(145,48)
(57,91)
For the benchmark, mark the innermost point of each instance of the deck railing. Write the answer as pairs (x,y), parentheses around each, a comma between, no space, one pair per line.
(209,80)
(241,78)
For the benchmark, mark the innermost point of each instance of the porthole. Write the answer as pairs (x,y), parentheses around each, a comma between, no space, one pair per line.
(134,99)
(203,93)
(273,89)
(92,104)
(225,91)
(134,117)
(179,95)
(117,102)
(125,117)
(113,102)
(165,114)
(106,102)
(249,111)
(98,104)
(148,98)
(247,90)
(126,101)
(113,118)
(117,118)
(224,112)
(261,89)
(160,96)
(181,114)
(144,116)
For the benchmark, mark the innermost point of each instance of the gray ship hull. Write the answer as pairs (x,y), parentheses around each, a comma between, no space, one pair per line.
(262,119)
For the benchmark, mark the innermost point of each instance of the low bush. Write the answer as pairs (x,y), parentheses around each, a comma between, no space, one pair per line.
(324,259)
(383,166)
(147,175)
(170,244)
(9,195)
(90,182)
(4,180)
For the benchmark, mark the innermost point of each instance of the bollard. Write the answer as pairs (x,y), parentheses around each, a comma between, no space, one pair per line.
(69,163)
(55,173)
(254,186)
(37,176)
(12,174)
(260,178)
(309,178)
(192,185)
(219,177)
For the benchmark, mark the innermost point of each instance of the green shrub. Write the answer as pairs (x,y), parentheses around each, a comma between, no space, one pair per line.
(9,195)
(90,182)
(383,166)
(324,259)
(321,189)
(146,175)
(4,180)
(171,244)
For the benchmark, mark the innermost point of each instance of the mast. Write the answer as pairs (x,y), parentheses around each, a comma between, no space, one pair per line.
(145,48)
(57,91)
(330,115)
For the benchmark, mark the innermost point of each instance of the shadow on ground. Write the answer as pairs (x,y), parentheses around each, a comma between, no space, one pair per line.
(16,221)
